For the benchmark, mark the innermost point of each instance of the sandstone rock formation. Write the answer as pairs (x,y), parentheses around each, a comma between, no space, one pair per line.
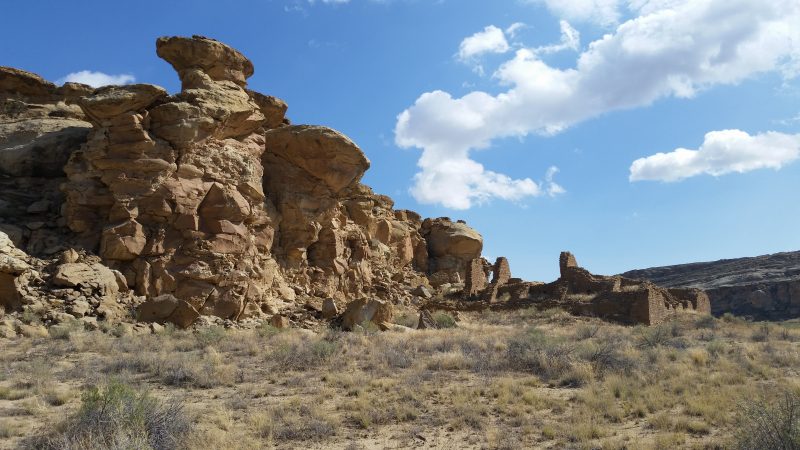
(40,126)
(209,203)
(762,288)
(451,246)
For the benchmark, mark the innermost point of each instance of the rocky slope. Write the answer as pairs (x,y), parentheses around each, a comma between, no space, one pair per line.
(763,287)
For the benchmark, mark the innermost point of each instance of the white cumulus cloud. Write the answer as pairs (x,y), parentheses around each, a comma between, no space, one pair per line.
(97,79)
(490,40)
(675,49)
(722,152)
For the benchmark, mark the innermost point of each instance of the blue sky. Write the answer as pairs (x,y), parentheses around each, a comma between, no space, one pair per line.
(667,73)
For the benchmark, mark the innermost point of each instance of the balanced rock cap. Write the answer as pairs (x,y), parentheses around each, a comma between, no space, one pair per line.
(214,58)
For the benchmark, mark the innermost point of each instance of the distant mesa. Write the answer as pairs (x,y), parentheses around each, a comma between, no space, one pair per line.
(761,288)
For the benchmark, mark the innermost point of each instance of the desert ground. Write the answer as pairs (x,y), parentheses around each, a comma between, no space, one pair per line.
(493,380)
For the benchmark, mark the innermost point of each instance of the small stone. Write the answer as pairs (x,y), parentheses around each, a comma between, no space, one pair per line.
(329,309)
(89,323)
(279,321)
(69,256)
(422,291)
(79,308)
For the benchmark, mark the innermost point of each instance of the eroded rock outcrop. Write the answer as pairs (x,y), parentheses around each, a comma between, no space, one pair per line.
(451,246)
(170,187)
(209,202)
(208,205)
(40,126)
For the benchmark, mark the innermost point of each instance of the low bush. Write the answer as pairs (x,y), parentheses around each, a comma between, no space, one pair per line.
(302,352)
(536,353)
(770,424)
(117,416)
(444,320)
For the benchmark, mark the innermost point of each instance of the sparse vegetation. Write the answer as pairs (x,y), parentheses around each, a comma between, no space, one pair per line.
(116,415)
(770,423)
(513,379)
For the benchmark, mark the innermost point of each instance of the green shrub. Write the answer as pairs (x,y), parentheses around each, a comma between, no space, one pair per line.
(706,321)
(118,416)
(768,425)
(64,329)
(303,353)
(210,336)
(444,320)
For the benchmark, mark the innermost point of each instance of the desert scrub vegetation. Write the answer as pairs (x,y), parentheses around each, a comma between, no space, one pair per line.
(503,379)
(770,422)
(117,416)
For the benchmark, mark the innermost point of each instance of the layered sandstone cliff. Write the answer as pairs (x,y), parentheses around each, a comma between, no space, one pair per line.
(763,287)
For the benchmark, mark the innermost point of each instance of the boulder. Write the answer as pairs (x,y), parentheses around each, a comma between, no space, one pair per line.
(325,154)
(379,312)
(451,246)
(279,321)
(446,238)
(79,308)
(157,309)
(329,309)
(94,275)
(426,321)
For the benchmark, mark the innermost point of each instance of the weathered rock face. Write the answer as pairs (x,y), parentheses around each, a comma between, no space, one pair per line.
(451,247)
(40,126)
(209,203)
(763,287)
(168,189)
